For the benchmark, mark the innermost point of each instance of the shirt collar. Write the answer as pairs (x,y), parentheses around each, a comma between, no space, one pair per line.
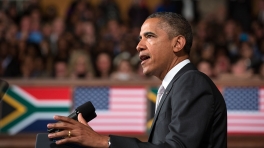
(169,76)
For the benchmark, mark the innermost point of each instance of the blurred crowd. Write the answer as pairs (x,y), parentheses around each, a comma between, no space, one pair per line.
(95,42)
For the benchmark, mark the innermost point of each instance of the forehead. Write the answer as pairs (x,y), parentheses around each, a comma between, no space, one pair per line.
(151,25)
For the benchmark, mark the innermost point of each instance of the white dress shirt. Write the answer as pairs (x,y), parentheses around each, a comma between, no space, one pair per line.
(169,76)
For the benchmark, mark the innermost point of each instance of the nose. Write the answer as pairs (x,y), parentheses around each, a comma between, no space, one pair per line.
(140,46)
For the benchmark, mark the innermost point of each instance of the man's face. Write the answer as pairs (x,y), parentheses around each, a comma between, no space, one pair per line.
(155,49)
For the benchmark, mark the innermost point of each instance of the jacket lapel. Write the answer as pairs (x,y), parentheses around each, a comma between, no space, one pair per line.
(186,68)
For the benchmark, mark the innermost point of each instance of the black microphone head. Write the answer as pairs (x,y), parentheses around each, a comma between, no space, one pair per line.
(88,111)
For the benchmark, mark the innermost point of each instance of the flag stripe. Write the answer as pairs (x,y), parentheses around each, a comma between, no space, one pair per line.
(129,100)
(32,118)
(40,102)
(242,129)
(246,121)
(118,120)
(48,92)
(118,128)
(126,113)
(100,123)
(247,124)
(126,106)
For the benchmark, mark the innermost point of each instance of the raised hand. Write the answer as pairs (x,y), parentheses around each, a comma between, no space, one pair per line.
(72,131)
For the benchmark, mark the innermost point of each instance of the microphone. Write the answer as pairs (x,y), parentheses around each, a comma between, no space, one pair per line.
(88,112)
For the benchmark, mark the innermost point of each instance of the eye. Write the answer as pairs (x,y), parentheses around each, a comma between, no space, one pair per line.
(149,36)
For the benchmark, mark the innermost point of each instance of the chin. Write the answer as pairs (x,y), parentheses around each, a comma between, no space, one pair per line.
(147,72)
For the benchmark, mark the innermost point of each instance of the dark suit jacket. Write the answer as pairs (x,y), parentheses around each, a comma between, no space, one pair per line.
(192,114)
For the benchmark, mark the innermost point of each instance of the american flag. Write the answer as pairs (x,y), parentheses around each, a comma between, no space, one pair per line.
(245,109)
(120,110)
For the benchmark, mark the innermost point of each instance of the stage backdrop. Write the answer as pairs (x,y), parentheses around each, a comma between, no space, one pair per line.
(120,109)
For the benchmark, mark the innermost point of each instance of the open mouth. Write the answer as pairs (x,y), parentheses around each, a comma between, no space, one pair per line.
(144,57)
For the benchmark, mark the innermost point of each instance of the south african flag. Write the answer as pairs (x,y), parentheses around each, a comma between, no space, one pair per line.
(26,109)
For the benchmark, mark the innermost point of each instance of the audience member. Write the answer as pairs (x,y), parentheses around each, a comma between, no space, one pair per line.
(114,35)
(206,67)
(35,36)
(108,10)
(239,71)
(247,53)
(80,66)
(49,13)
(39,70)
(62,49)
(58,28)
(124,71)
(103,65)
(257,30)
(137,13)
(260,11)
(208,52)
(231,37)
(60,69)
(166,6)
(240,11)
(88,34)
(24,28)
(261,71)
(10,35)
(222,64)
(12,13)
(27,67)
(9,63)
(261,49)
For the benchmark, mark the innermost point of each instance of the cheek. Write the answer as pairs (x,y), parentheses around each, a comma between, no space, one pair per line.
(150,42)
(159,50)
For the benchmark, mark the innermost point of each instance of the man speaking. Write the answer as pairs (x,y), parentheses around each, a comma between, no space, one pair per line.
(190,110)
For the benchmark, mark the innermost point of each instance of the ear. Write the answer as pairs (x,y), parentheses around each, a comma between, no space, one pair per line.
(178,43)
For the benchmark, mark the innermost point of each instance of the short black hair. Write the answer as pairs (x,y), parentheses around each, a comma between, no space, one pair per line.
(177,25)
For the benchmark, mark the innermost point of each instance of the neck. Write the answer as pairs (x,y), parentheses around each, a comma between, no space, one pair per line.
(175,62)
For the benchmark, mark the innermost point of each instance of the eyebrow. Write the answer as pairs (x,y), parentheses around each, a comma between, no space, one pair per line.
(145,34)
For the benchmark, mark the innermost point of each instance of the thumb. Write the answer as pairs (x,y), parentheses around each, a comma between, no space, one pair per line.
(81,119)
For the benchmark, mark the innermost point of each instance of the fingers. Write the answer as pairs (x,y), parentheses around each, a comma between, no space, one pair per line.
(59,125)
(63,141)
(67,135)
(67,140)
(64,133)
(64,119)
(64,122)
(81,119)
